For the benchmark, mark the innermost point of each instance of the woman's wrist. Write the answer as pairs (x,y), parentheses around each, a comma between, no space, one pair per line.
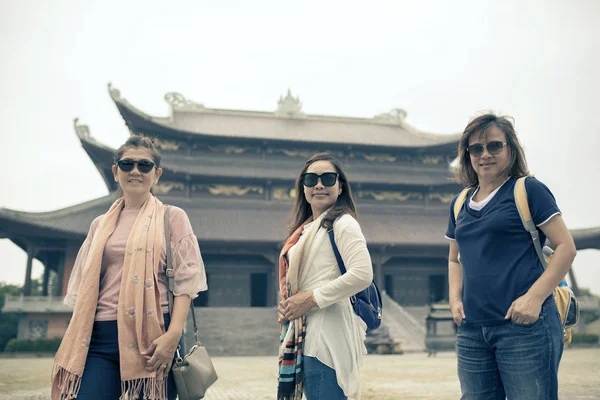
(174,332)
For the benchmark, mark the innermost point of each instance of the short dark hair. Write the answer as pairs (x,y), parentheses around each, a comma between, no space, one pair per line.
(136,141)
(302,209)
(517,166)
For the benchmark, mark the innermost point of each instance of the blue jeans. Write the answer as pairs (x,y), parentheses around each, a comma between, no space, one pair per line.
(511,360)
(320,381)
(101,376)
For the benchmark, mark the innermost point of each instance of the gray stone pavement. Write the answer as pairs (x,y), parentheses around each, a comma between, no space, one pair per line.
(409,376)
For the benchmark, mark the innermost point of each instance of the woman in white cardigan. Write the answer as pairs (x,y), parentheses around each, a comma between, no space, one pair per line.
(322,339)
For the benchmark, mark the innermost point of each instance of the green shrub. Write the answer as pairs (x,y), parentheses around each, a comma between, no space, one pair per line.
(585,338)
(39,345)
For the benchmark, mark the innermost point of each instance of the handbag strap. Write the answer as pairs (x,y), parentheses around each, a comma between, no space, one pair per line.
(171,276)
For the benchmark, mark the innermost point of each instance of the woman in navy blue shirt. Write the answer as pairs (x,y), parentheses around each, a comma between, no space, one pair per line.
(510,336)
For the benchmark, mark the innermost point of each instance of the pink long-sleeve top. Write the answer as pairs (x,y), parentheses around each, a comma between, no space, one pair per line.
(188,267)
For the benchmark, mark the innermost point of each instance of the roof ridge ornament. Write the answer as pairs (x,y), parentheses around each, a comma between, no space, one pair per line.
(178,102)
(114,92)
(289,106)
(396,116)
(83,131)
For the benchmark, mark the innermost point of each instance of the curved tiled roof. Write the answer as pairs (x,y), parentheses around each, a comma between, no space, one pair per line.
(283,170)
(187,117)
(235,221)
(245,221)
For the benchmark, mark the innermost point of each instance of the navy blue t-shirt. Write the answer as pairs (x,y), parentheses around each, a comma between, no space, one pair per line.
(496,252)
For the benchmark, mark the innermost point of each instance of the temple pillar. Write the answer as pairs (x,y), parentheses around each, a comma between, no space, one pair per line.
(574,286)
(46,278)
(30,256)
(379,275)
(273,279)
(378,261)
(60,273)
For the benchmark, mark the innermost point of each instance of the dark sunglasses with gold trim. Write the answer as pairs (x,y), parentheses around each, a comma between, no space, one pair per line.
(328,179)
(493,147)
(127,165)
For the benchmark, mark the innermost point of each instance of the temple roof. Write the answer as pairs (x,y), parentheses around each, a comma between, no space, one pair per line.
(286,124)
(243,221)
(240,221)
(218,166)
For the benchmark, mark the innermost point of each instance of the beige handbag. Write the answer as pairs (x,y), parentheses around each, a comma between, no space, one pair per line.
(194,373)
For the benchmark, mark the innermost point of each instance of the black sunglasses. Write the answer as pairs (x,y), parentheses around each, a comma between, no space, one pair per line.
(144,166)
(493,147)
(328,179)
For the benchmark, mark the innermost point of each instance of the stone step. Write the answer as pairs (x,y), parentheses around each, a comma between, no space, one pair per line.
(254,331)
(402,327)
(236,331)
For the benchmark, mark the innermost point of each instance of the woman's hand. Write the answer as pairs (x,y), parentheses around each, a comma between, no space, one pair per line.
(525,310)
(280,313)
(295,306)
(161,352)
(458,311)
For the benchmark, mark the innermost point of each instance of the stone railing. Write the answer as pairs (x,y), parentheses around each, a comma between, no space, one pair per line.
(588,303)
(35,304)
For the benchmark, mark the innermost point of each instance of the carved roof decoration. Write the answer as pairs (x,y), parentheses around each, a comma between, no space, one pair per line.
(178,102)
(82,131)
(289,106)
(288,123)
(396,116)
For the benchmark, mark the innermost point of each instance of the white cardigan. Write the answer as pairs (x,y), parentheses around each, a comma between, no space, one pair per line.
(334,334)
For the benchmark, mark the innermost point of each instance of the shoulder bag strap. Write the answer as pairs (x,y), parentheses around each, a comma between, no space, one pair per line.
(460,200)
(339,259)
(525,214)
(171,275)
(336,252)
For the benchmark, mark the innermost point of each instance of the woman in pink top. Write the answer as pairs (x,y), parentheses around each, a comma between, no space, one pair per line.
(121,340)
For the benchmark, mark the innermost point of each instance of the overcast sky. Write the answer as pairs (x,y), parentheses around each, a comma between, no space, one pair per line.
(441,61)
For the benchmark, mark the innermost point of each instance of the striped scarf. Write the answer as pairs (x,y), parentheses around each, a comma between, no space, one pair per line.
(293,333)
(291,359)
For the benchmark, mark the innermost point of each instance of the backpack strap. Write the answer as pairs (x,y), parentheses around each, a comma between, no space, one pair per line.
(525,214)
(460,200)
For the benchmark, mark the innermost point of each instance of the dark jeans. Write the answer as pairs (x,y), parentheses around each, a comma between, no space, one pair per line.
(101,376)
(511,360)
(320,381)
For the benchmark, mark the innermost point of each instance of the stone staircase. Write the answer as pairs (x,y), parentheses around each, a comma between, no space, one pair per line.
(236,331)
(419,313)
(401,327)
(254,331)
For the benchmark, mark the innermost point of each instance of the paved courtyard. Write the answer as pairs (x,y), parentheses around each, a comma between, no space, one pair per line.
(409,376)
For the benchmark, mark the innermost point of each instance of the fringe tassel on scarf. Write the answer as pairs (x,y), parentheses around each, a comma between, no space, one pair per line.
(152,388)
(68,382)
(291,360)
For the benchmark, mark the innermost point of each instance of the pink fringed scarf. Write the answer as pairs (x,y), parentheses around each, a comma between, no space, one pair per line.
(139,315)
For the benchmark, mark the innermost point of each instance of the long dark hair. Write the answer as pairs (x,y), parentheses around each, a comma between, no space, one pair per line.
(137,141)
(344,204)
(517,166)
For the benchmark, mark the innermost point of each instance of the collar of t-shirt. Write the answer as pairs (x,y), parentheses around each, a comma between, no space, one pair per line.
(478,205)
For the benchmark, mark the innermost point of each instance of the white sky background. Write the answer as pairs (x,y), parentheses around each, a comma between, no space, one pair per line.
(441,61)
